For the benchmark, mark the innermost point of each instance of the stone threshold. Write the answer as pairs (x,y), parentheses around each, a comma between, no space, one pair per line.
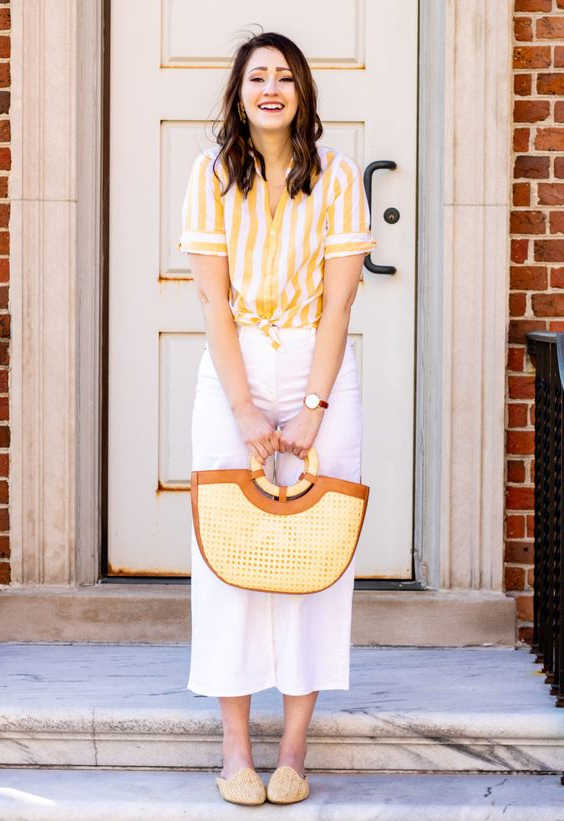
(158,613)
(89,795)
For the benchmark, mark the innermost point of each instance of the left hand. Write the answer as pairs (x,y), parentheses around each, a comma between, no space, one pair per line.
(298,435)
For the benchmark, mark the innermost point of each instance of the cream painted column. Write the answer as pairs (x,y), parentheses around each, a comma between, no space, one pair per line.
(43,292)
(475,290)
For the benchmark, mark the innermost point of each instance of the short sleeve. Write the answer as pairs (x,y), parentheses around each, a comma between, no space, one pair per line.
(203,225)
(348,216)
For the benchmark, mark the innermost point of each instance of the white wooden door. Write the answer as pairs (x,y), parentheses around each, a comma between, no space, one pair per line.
(169,61)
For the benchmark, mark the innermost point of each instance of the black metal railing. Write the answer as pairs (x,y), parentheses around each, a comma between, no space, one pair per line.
(546,350)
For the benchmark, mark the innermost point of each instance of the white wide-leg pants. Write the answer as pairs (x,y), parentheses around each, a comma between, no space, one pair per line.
(245,640)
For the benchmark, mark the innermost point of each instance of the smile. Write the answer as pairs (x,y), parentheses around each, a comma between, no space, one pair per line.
(271,107)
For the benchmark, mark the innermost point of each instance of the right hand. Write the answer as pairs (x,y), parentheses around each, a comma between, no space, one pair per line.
(257,432)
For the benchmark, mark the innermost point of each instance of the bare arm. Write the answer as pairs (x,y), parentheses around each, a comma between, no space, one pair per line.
(340,285)
(211,274)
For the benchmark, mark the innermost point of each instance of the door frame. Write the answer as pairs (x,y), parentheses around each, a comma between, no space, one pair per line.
(462,223)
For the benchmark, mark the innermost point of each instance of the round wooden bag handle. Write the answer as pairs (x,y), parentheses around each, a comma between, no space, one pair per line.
(311,465)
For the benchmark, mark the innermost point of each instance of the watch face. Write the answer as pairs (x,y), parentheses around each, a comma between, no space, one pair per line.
(312,400)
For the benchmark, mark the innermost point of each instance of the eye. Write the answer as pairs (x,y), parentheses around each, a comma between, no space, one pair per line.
(253,79)
(290,79)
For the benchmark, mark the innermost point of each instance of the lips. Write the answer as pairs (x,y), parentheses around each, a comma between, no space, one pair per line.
(281,106)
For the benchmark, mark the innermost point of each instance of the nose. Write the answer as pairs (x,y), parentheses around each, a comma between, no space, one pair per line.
(271,84)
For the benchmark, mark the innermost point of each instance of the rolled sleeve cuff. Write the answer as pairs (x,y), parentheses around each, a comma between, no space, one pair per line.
(343,245)
(193,242)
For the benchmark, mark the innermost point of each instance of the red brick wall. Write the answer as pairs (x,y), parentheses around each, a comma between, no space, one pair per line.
(536,297)
(5,163)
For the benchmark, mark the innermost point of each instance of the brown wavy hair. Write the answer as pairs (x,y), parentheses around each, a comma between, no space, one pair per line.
(234,136)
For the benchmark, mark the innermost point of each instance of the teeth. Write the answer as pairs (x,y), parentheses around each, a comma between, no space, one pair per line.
(271,106)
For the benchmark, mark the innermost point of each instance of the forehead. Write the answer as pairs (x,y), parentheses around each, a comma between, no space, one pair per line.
(268,57)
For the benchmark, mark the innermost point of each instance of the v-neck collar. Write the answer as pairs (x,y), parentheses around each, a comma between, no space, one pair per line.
(280,205)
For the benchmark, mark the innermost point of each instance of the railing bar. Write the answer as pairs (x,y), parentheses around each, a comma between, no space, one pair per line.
(546,349)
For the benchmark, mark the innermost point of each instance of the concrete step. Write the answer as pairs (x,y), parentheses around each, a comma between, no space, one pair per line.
(159,613)
(91,795)
(407,709)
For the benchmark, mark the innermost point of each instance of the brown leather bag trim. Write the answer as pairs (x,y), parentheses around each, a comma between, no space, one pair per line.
(362,491)
(320,485)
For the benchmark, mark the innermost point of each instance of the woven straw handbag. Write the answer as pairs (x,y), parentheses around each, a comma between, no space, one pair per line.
(278,539)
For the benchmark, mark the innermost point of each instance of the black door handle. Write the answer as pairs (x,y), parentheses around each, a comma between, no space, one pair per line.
(368,171)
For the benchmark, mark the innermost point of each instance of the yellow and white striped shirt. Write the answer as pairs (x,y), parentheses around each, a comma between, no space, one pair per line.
(276,264)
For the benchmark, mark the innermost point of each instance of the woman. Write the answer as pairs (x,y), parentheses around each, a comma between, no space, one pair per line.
(277,228)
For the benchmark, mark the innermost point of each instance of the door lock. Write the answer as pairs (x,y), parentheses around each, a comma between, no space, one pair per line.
(391,215)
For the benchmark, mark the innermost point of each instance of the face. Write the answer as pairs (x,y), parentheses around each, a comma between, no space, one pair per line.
(267,79)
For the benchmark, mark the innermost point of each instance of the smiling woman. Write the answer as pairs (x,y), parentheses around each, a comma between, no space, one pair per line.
(270,113)
(277,226)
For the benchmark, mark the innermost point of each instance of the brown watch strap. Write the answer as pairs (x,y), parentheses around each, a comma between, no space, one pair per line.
(322,403)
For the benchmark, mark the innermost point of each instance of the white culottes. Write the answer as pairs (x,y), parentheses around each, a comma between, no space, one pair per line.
(244,641)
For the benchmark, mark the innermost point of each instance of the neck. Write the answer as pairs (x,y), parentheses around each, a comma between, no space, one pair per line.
(275,148)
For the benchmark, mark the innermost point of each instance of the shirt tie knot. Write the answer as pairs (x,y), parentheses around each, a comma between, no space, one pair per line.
(270,330)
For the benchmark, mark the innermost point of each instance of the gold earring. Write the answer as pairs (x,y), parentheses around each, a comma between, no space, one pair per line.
(242,114)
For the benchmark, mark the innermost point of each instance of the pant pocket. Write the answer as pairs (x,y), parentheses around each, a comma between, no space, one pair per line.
(206,368)
(347,378)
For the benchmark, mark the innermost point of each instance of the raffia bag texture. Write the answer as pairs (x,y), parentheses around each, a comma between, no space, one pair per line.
(282,543)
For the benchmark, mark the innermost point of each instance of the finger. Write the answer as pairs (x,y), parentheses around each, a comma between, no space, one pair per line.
(273,442)
(261,451)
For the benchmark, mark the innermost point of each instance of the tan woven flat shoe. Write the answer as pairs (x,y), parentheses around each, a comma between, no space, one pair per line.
(286,786)
(245,787)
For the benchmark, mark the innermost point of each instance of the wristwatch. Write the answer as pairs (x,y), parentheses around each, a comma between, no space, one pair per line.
(312,400)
